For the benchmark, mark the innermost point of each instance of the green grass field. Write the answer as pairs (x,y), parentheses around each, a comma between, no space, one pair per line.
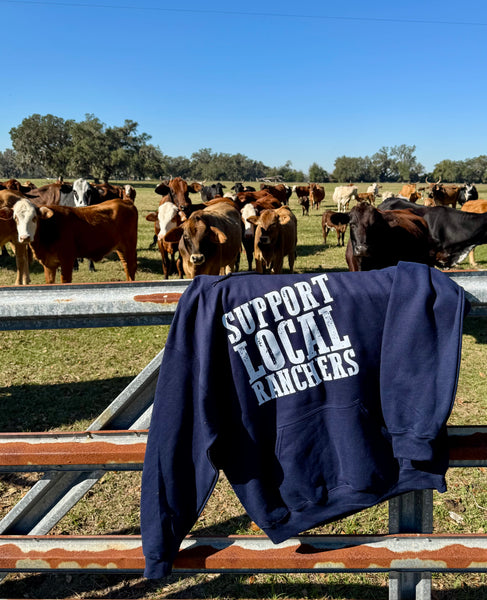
(62,379)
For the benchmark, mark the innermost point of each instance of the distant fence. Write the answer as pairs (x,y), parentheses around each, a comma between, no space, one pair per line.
(73,462)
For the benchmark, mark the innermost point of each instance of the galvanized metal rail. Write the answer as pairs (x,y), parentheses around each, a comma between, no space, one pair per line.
(116,441)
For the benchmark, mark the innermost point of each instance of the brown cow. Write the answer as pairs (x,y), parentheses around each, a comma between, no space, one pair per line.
(275,237)
(14,184)
(209,240)
(368,197)
(108,191)
(338,221)
(60,234)
(474,206)
(8,233)
(441,194)
(178,191)
(279,191)
(316,195)
(410,192)
(381,239)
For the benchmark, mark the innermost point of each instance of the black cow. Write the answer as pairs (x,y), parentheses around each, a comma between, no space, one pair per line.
(467,192)
(208,192)
(382,239)
(454,232)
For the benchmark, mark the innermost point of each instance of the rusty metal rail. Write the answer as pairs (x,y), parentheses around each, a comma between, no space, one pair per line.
(115,441)
(125,450)
(255,554)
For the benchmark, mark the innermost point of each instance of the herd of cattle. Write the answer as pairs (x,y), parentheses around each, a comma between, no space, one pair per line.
(60,223)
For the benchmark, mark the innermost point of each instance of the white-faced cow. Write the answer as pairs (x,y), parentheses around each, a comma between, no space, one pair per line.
(59,234)
(275,237)
(209,240)
(8,233)
(166,218)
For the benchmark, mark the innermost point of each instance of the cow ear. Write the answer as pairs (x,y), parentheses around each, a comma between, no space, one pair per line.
(195,187)
(254,219)
(173,235)
(45,212)
(152,216)
(6,213)
(218,235)
(162,189)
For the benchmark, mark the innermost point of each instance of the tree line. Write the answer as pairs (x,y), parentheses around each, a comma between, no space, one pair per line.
(49,146)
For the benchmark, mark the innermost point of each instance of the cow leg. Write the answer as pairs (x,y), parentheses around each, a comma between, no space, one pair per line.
(471,258)
(22,262)
(67,271)
(50,274)
(129,264)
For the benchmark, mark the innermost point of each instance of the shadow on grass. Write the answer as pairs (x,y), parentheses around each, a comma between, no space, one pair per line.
(45,407)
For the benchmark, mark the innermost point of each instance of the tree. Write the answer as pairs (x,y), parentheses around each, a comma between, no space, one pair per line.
(317,174)
(43,140)
(407,166)
(285,172)
(8,164)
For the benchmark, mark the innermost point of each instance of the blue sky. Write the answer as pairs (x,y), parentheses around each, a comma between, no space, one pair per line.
(274,80)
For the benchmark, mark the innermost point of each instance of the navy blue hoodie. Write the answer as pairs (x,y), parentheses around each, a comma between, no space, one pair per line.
(317,395)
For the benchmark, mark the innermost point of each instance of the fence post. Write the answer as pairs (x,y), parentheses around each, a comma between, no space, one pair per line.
(411,513)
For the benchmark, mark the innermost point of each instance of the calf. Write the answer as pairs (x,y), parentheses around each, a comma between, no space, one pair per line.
(337,221)
(59,234)
(366,197)
(275,238)
(454,232)
(166,218)
(382,239)
(209,240)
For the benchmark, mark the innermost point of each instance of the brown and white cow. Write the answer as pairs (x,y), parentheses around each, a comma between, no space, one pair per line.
(338,221)
(276,236)
(60,234)
(8,233)
(166,218)
(381,239)
(316,195)
(209,240)
(178,191)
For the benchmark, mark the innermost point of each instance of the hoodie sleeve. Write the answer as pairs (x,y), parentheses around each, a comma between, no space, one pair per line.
(420,358)
(178,474)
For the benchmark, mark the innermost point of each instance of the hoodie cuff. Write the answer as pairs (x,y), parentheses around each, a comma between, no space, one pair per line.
(155,569)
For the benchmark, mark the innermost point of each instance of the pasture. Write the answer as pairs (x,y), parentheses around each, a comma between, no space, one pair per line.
(62,379)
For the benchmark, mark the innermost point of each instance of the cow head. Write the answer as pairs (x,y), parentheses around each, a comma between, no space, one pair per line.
(178,191)
(268,228)
(84,193)
(26,217)
(198,240)
(367,227)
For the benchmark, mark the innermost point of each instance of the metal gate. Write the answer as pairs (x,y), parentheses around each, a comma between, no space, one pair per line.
(115,441)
